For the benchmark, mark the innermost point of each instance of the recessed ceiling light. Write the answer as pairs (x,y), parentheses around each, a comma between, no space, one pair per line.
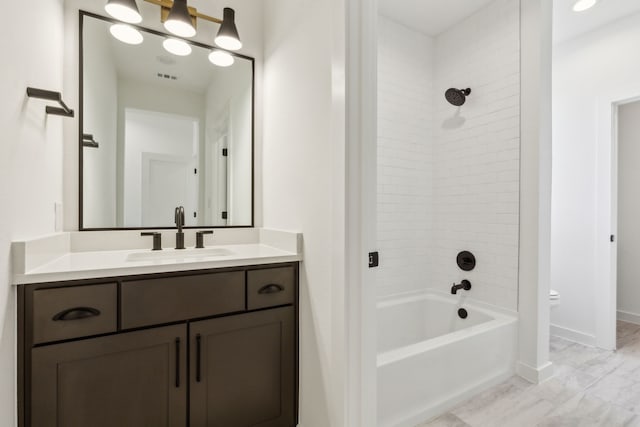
(126,34)
(221,58)
(177,47)
(582,5)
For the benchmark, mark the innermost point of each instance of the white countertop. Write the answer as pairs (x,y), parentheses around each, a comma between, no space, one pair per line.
(62,257)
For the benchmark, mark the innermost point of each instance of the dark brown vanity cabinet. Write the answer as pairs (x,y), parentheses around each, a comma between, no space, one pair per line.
(242,371)
(200,349)
(131,379)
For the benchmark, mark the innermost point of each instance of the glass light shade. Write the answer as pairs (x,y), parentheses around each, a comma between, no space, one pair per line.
(228,43)
(221,58)
(180,28)
(124,10)
(126,34)
(582,5)
(177,47)
(179,21)
(228,37)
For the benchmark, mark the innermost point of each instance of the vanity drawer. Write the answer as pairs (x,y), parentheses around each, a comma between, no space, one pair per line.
(156,301)
(64,313)
(270,287)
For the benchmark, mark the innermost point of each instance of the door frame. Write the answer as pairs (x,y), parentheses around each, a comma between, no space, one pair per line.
(607,251)
(358,125)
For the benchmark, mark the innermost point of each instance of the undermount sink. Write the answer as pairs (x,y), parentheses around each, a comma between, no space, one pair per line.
(171,254)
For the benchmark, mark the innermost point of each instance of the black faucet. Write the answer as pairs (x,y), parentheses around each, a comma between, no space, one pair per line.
(465,284)
(200,238)
(179,218)
(157,239)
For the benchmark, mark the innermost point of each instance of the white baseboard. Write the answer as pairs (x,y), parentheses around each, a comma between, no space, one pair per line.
(626,316)
(535,375)
(572,335)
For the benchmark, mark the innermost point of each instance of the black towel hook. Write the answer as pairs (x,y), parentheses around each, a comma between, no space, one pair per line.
(51,96)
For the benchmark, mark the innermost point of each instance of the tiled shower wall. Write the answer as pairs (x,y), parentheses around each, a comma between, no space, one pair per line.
(464,161)
(405,146)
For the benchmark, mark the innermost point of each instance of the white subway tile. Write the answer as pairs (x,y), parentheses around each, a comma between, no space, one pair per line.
(442,188)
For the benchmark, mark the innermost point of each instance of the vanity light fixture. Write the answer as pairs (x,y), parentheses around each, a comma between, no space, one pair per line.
(126,34)
(221,58)
(124,10)
(179,21)
(582,5)
(177,47)
(227,37)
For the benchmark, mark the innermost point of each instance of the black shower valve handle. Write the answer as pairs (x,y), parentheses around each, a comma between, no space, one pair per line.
(465,284)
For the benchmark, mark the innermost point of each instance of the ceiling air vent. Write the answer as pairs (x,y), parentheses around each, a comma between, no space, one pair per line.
(167,76)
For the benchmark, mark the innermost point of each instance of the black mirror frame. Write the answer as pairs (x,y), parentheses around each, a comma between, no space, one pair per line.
(81,227)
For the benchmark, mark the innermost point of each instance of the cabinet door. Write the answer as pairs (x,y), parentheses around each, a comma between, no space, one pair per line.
(243,370)
(137,379)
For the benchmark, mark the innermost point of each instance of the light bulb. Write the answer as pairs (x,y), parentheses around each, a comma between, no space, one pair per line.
(179,28)
(227,37)
(228,43)
(177,47)
(179,20)
(221,58)
(124,10)
(126,34)
(582,5)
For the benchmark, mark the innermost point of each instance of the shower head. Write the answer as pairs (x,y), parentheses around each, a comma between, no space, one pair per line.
(457,97)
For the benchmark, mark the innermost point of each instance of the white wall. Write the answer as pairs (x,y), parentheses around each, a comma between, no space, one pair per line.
(100,117)
(535,190)
(30,155)
(590,73)
(299,155)
(405,159)
(448,177)
(628,211)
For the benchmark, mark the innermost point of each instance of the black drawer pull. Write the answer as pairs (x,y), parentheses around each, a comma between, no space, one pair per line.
(198,360)
(177,362)
(271,289)
(76,313)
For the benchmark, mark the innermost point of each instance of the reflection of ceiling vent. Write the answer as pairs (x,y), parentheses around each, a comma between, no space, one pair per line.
(166,60)
(167,76)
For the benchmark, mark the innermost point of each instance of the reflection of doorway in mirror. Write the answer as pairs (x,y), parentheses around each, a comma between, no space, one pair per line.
(216,169)
(167,181)
(161,168)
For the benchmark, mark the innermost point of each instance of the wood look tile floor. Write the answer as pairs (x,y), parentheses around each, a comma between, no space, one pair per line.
(591,387)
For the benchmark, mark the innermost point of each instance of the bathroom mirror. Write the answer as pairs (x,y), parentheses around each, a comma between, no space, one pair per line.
(160,130)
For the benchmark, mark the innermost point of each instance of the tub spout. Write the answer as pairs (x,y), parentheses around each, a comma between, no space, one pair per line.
(465,284)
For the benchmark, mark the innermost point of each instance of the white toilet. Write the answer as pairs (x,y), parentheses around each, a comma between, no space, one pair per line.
(554,298)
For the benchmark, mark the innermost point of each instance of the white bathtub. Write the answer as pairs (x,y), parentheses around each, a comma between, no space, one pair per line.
(429,359)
